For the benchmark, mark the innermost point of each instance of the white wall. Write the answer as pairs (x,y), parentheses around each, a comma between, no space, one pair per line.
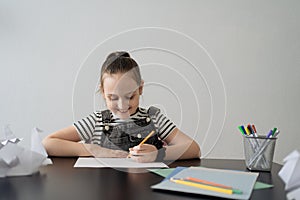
(205,63)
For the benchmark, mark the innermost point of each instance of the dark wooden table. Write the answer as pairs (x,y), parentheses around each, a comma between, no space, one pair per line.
(62,181)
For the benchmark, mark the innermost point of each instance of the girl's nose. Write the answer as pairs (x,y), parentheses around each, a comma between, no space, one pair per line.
(123,104)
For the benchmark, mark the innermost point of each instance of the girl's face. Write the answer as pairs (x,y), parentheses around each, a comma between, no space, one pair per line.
(121,93)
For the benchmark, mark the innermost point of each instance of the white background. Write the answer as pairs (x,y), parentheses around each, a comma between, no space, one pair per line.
(210,65)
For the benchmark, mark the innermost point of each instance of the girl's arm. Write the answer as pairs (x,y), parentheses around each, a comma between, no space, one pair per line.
(181,146)
(65,142)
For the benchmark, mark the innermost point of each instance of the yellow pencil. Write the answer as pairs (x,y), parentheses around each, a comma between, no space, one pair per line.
(202,186)
(147,137)
(144,140)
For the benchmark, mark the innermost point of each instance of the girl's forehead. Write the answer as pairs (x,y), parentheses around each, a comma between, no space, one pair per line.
(119,84)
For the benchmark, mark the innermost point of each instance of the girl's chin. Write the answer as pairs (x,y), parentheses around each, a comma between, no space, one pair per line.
(123,115)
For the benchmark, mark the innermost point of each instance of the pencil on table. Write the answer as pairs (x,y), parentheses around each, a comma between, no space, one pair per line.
(202,186)
(207,182)
(226,190)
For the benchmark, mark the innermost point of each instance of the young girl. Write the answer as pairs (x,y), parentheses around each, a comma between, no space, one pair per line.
(118,131)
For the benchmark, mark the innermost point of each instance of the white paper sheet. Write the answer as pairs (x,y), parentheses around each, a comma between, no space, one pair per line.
(48,161)
(294,195)
(18,161)
(115,163)
(290,172)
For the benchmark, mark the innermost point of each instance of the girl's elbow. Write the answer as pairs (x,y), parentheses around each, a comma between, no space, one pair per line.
(197,150)
(46,143)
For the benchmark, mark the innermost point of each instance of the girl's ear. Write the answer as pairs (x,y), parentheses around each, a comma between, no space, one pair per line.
(141,87)
(101,90)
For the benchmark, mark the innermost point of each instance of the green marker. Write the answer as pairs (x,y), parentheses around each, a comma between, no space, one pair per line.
(242,130)
(274,131)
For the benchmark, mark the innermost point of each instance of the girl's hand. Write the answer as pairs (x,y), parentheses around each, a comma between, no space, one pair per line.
(101,152)
(143,153)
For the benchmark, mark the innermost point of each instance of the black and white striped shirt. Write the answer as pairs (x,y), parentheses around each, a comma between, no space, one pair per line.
(90,129)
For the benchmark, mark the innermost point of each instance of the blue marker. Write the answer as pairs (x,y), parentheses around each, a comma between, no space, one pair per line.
(244,130)
(241,129)
(270,134)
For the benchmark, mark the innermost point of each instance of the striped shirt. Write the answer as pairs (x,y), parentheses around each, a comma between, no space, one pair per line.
(90,128)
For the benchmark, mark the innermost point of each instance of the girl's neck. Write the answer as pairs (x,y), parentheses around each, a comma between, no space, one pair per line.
(128,119)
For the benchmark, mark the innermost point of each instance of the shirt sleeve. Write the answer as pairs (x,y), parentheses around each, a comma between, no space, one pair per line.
(86,127)
(164,125)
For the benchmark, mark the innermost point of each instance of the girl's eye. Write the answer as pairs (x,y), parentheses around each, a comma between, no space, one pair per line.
(113,98)
(131,97)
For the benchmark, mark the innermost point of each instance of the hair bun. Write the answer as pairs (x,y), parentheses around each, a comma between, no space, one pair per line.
(118,54)
(124,54)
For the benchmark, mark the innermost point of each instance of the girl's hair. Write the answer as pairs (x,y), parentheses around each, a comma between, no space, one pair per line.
(120,62)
